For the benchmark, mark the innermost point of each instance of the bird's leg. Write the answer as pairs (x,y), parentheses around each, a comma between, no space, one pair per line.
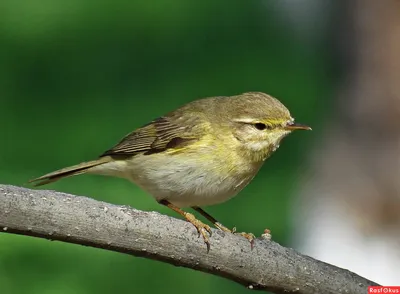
(248,236)
(202,228)
(216,223)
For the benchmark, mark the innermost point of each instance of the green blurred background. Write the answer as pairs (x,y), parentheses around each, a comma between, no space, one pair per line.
(76,76)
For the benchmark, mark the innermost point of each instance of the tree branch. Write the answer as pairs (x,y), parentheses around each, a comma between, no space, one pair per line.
(81,220)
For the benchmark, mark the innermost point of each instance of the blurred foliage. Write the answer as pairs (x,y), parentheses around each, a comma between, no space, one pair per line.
(76,76)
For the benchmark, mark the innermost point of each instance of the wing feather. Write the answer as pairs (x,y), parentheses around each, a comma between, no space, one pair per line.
(159,135)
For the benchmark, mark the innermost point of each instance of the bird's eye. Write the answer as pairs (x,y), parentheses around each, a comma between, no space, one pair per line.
(260,126)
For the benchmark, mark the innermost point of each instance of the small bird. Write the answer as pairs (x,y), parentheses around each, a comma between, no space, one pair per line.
(201,154)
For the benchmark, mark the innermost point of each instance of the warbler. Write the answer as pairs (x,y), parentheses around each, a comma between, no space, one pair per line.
(201,154)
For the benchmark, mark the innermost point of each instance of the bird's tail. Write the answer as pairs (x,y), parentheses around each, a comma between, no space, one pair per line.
(69,171)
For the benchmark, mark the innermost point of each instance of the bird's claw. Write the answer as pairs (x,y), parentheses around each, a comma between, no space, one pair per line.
(248,236)
(203,229)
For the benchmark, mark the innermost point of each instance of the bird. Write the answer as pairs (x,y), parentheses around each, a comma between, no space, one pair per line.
(203,153)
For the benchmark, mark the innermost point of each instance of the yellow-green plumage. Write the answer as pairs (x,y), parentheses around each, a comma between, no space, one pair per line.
(200,154)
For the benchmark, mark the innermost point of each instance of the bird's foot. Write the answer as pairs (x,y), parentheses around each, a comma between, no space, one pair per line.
(203,229)
(248,236)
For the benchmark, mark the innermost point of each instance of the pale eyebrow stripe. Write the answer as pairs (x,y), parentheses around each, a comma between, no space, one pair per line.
(245,120)
(252,121)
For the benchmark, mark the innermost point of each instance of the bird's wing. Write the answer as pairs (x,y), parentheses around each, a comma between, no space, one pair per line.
(161,134)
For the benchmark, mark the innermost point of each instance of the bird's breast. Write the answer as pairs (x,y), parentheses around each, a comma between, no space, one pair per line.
(189,180)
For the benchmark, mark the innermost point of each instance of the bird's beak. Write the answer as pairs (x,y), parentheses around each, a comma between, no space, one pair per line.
(292,126)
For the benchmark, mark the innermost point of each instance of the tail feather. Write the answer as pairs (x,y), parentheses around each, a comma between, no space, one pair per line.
(69,171)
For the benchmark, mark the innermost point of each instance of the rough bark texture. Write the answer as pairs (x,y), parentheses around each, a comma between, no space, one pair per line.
(81,220)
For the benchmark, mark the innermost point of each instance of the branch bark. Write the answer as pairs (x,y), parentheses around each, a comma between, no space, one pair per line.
(81,220)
